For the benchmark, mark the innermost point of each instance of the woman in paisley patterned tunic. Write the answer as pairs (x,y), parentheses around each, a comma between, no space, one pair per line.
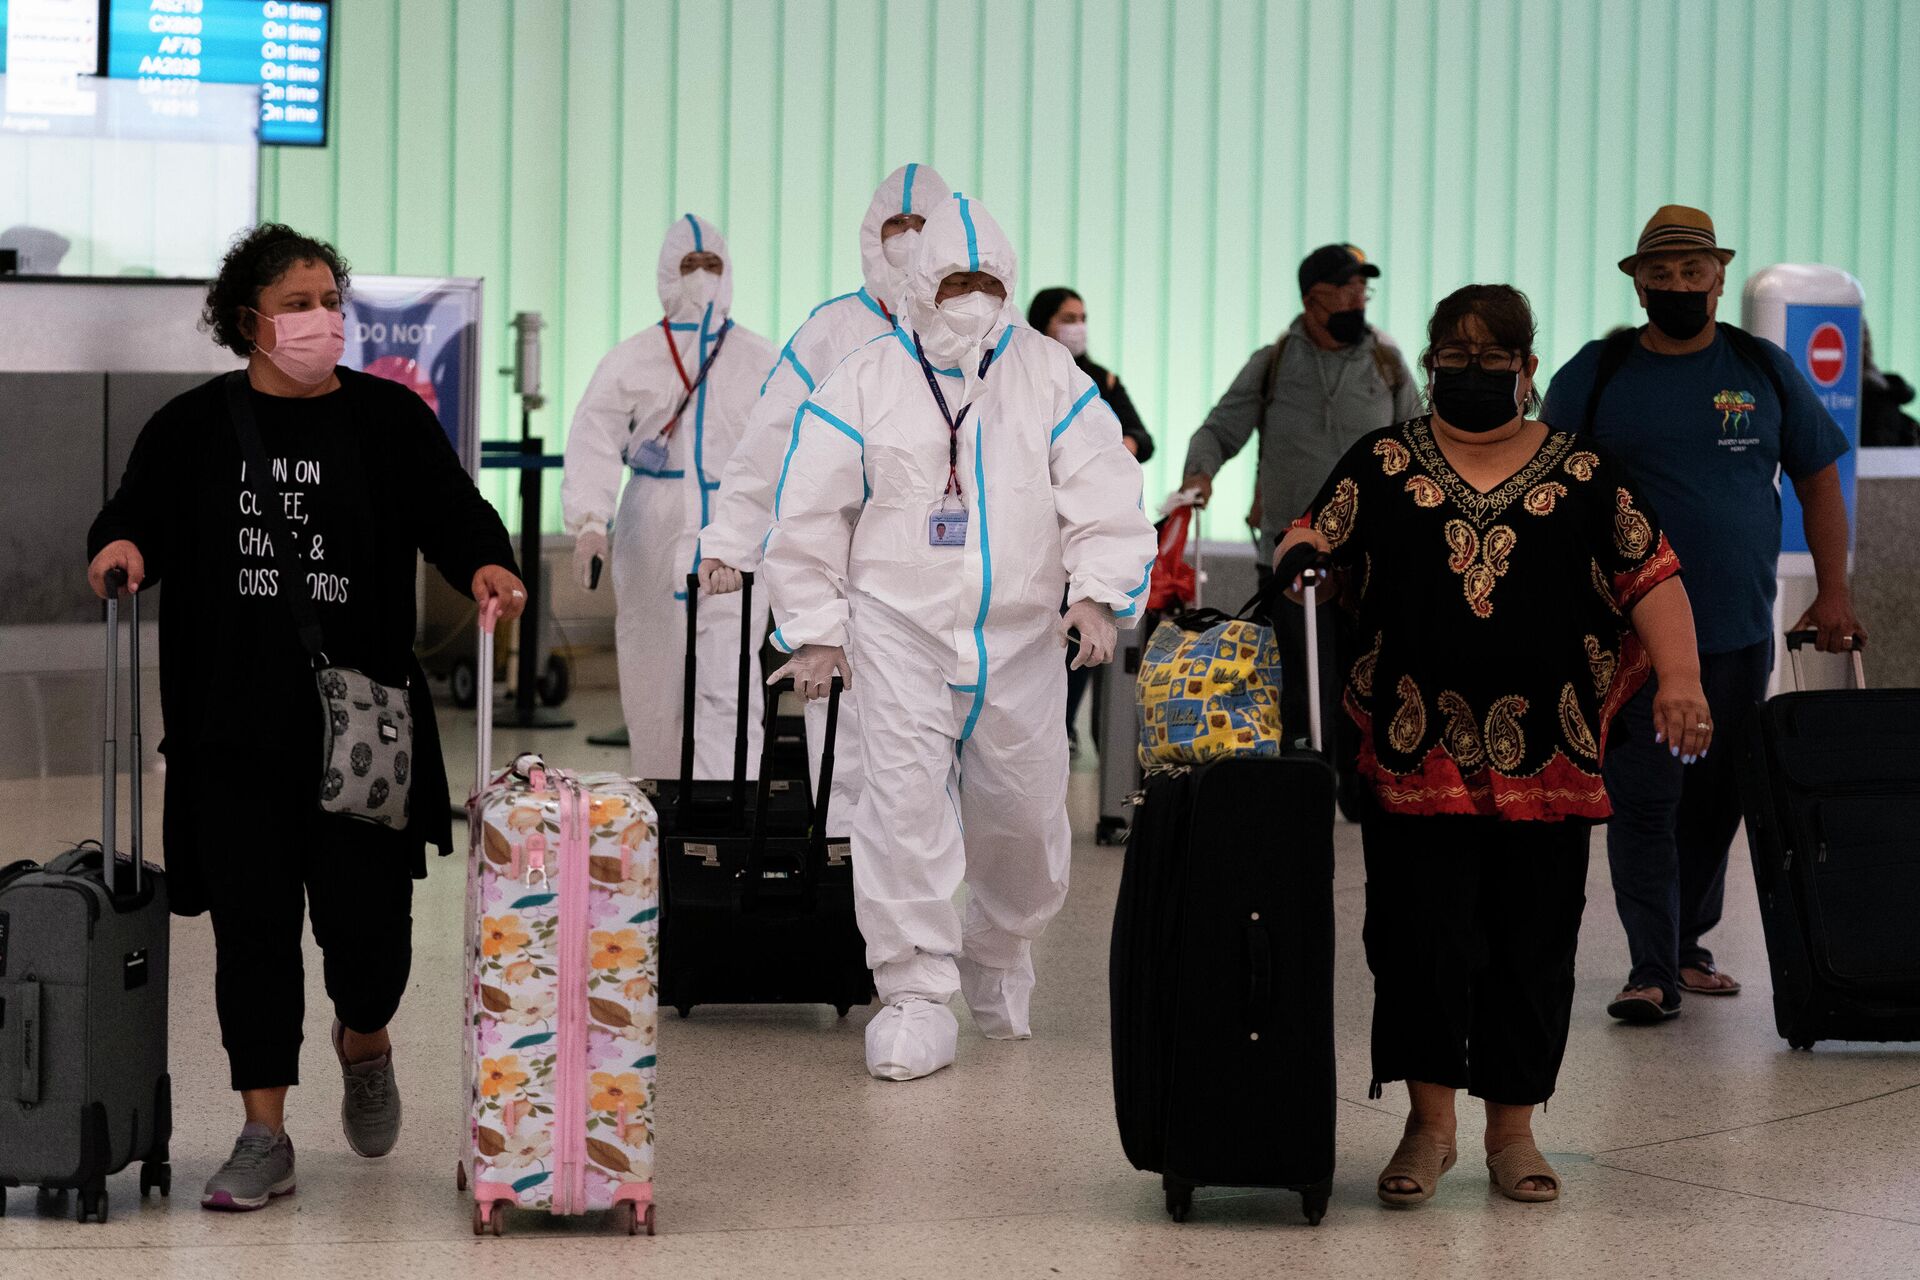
(1512,590)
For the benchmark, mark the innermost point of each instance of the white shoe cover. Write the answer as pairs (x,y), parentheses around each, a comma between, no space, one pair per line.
(911,1039)
(999,998)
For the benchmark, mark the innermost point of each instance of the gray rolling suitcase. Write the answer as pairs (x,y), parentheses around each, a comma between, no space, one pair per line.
(83,1001)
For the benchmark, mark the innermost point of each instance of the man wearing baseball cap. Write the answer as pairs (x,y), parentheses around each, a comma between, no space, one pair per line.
(1701,416)
(1329,380)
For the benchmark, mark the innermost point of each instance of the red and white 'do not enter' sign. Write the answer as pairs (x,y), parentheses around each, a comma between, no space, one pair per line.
(1827,354)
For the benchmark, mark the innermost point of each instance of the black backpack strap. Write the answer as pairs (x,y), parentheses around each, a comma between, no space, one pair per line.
(1613,355)
(1748,348)
(1268,379)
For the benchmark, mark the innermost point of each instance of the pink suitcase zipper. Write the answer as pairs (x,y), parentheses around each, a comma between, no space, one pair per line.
(561,1002)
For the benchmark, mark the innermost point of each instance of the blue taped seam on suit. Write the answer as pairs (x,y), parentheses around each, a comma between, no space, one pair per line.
(780,641)
(793,442)
(986,578)
(1006,336)
(867,300)
(842,297)
(798,368)
(906,195)
(698,245)
(679,595)
(907,342)
(1085,399)
(676,474)
(973,243)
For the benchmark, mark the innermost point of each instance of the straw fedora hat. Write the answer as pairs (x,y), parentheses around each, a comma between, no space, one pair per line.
(1676,227)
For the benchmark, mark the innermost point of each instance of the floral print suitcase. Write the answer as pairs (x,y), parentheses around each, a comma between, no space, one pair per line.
(563,909)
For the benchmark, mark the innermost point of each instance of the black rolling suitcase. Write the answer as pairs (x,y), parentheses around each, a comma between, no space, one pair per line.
(754,913)
(716,804)
(1222,978)
(83,1000)
(1832,791)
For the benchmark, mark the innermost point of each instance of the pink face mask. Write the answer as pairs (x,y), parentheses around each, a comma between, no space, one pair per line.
(307,344)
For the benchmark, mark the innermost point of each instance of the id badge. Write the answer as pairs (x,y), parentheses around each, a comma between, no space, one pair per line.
(652,455)
(947,527)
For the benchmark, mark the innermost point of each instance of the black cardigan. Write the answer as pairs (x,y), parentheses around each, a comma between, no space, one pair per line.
(1114,392)
(236,691)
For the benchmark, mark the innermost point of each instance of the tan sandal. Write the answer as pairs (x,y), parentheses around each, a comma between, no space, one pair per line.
(1420,1159)
(1512,1165)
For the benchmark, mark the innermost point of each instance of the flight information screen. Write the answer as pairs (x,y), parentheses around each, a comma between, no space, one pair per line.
(281,46)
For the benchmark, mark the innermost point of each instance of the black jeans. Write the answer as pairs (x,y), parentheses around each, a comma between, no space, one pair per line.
(272,857)
(1673,823)
(1471,929)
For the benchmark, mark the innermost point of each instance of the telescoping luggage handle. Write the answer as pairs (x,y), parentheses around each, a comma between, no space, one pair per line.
(817,812)
(489,618)
(109,744)
(1796,640)
(1311,567)
(737,791)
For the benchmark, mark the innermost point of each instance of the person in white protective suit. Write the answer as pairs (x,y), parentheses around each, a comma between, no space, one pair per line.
(667,408)
(931,511)
(743,510)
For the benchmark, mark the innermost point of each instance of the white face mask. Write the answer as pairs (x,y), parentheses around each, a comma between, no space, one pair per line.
(971,315)
(697,289)
(899,249)
(1073,337)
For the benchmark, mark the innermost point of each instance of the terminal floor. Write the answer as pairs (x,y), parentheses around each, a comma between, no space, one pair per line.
(1700,1148)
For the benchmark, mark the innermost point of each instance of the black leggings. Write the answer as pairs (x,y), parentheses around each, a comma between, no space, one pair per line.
(1470,932)
(270,857)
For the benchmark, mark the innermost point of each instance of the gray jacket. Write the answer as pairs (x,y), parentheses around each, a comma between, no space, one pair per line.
(1322,402)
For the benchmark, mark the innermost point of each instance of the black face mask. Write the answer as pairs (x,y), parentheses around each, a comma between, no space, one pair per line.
(1678,313)
(1475,401)
(1347,327)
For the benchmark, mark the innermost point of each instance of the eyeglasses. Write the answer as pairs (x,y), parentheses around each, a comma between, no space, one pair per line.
(1491,359)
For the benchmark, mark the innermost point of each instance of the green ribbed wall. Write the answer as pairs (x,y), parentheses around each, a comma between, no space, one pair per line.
(1171,160)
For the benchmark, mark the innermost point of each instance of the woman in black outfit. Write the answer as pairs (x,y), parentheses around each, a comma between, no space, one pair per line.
(1061,314)
(365,479)
(1512,590)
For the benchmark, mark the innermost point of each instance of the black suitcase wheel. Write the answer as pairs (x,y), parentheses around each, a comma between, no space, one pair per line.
(1179,1198)
(1801,1044)
(1314,1205)
(842,1009)
(156,1175)
(50,1202)
(3,1201)
(556,681)
(463,684)
(685,1010)
(93,1203)
(1110,831)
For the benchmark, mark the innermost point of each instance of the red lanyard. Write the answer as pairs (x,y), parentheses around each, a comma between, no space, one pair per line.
(706,366)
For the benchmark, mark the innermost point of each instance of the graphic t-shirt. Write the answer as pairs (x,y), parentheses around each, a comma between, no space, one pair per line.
(1703,436)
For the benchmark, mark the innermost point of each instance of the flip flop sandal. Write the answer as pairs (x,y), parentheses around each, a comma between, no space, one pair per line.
(1508,1167)
(1641,1009)
(1421,1160)
(1731,988)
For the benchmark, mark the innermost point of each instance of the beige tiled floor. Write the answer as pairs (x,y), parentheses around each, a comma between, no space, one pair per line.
(1701,1148)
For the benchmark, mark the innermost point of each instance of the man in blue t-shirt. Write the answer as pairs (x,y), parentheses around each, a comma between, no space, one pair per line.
(1703,417)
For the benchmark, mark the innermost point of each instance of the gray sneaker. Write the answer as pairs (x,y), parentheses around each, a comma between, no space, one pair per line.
(260,1169)
(370,1108)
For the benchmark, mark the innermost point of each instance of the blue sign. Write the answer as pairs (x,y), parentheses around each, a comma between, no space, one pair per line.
(279,45)
(424,334)
(1824,342)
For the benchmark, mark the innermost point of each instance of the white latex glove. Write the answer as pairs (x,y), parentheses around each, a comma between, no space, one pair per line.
(813,667)
(587,545)
(1098,634)
(718,578)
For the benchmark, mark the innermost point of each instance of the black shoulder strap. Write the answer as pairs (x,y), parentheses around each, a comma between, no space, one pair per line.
(1613,355)
(1748,348)
(260,473)
(1271,376)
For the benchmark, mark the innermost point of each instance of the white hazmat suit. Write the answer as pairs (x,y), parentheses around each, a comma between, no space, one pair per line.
(743,509)
(956,649)
(668,497)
